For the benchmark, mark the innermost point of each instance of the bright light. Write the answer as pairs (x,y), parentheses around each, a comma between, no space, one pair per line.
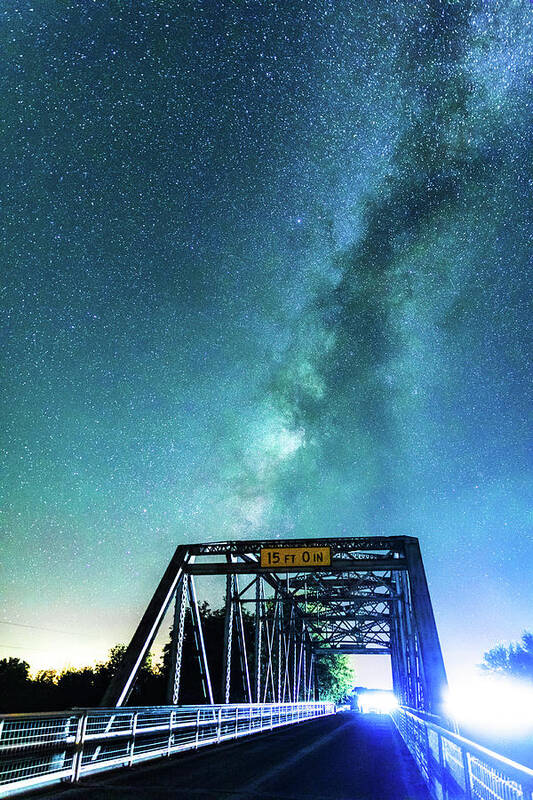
(377,702)
(494,704)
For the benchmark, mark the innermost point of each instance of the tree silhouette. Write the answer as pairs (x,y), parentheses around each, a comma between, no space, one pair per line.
(14,683)
(85,687)
(515,660)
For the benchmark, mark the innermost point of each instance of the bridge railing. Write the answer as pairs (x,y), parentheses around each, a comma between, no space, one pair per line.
(454,768)
(40,749)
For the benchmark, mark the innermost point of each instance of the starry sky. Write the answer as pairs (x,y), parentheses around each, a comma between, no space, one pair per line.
(265,273)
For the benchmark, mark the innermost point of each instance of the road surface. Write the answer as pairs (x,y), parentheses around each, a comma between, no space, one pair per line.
(343,757)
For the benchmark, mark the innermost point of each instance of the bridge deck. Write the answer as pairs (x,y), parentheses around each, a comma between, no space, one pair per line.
(344,757)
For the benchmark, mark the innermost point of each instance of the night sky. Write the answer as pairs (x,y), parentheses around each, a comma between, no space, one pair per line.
(264,273)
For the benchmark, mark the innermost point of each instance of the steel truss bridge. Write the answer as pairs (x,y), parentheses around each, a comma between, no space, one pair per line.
(372,598)
(307,598)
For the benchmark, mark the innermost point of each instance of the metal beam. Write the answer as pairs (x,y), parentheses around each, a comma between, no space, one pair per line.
(176,642)
(258,639)
(343,598)
(433,664)
(393,544)
(121,685)
(322,618)
(200,644)
(352,650)
(241,642)
(354,599)
(337,566)
(228,635)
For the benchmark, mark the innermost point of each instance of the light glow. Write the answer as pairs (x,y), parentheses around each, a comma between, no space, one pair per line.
(493,704)
(377,702)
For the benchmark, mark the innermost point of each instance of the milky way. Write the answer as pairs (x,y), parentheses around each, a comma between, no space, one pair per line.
(267,276)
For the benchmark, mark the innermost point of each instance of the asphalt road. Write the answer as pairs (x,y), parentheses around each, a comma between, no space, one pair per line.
(344,757)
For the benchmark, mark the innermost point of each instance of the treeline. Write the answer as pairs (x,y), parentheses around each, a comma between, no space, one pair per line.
(49,690)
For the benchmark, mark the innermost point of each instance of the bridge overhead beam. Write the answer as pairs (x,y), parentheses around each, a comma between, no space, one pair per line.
(346,582)
(355,600)
(351,650)
(352,599)
(342,544)
(337,566)
(347,617)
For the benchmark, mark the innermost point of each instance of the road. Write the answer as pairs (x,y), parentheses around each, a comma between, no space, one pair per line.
(343,757)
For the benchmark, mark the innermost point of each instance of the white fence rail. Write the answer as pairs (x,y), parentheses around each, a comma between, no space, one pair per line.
(455,768)
(40,749)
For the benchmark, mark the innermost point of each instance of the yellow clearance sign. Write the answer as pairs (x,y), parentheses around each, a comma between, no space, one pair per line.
(279,557)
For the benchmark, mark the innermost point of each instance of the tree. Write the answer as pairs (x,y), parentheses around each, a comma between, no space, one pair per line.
(335,677)
(14,683)
(43,691)
(515,660)
(84,687)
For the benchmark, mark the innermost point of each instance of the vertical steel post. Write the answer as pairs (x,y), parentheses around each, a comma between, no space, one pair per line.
(394,660)
(397,654)
(412,688)
(304,672)
(78,752)
(241,641)
(315,684)
(228,635)
(133,736)
(279,631)
(258,637)
(200,644)
(170,732)
(176,642)
(430,651)
(286,666)
(294,646)
(466,771)
(403,669)
(219,724)
(299,671)
(269,673)
(271,651)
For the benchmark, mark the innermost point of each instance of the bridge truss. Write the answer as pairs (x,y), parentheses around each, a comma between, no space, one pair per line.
(370,597)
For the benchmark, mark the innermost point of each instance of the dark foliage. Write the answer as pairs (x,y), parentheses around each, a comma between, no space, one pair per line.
(85,687)
(53,691)
(515,660)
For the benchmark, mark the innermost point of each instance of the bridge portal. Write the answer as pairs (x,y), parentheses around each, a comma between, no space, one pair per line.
(309,597)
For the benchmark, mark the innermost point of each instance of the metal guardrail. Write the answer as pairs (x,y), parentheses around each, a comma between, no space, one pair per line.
(41,749)
(455,768)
